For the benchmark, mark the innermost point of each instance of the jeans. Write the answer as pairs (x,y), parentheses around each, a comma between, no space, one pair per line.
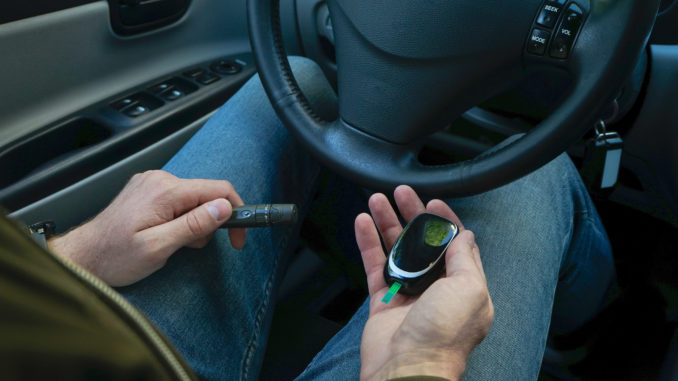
(542,244)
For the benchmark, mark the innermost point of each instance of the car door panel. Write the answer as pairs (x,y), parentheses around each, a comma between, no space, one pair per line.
(64,61)
(109,131)
(62,71)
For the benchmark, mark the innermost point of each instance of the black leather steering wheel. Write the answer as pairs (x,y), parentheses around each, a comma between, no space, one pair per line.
(408,67)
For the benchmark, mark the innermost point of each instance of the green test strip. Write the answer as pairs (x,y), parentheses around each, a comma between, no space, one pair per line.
(391,292)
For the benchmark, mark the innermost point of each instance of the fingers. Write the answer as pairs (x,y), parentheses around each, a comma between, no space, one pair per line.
(189,228)
(237,237)
(385,218)
(440,208)
(200,243)
(189,193)
(370,248)
(479,263)
(464,256)
(409,204)
(192,192)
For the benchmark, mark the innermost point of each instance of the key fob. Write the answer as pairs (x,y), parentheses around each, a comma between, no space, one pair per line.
(418,255)
(602,161)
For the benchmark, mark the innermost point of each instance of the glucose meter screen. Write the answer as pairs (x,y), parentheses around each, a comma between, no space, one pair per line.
(422,242)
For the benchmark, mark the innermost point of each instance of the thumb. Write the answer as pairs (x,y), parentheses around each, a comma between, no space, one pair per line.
(192,226)
(459,256)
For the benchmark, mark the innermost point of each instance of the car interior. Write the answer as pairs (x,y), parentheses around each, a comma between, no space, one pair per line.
(94,91)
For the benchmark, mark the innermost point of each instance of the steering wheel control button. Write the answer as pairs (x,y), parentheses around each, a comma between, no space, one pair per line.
(549,15)
(574,8)
(136,110)
(538,41)
(207,78)
(560,48)
(193,73)
(227,67)
(567,33)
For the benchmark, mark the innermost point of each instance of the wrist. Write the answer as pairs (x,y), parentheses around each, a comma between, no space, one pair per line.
(433,364)
(73,247)
(62,246)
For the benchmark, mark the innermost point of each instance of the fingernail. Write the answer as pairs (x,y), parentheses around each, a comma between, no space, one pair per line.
(217,211)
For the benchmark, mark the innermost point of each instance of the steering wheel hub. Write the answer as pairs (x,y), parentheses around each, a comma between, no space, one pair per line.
(424,29)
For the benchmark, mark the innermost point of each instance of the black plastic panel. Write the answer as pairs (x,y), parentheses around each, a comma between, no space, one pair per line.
(651,146)
(136,16)
(666,28)
(17,10)
(55,144)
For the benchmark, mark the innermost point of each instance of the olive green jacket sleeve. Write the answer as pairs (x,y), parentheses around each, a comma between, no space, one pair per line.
(54,324)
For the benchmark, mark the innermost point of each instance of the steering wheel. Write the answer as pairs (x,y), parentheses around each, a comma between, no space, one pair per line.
(405,68)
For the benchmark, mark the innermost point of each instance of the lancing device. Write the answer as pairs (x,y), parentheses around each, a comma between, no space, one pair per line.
(262,215)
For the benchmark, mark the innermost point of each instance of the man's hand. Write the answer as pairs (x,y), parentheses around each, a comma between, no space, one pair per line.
(431,334)
(155,215)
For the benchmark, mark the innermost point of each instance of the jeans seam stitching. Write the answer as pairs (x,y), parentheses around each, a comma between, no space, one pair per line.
(253,344)
(569,278)
(251,347)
